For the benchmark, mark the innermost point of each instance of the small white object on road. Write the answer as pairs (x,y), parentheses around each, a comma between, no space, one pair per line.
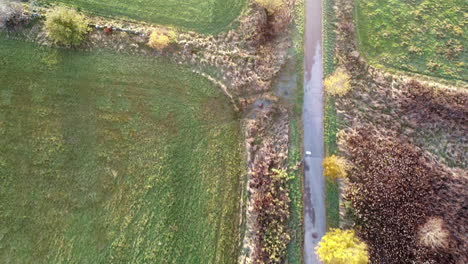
(308,153)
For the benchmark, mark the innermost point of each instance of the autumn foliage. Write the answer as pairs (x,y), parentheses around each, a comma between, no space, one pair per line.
(335,167)
(395,190)
(342,247)
(271,6)
(65,26)
(272,206)
(338,83)
(278,16)
(160,39)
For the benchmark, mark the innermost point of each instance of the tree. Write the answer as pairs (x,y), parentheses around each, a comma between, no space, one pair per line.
(342,247)
(12,16)
(66,26)
(335,167)
(338,83)
(159,40)
(270,5)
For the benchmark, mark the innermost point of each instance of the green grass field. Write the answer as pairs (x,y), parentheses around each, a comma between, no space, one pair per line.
(420,36)
(204,16)
(111,158)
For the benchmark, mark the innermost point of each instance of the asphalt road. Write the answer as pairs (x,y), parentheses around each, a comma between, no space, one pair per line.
(314,197)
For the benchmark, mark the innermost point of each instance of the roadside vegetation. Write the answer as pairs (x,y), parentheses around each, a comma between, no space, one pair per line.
(332,122)
(405,140)
(114,158)
(426,36)
(337,84)
(208,17)
(295,247)
(342,247)
(335,167)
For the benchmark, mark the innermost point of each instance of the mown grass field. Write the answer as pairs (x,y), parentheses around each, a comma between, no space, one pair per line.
(204,16)
(420,36)
(110,158)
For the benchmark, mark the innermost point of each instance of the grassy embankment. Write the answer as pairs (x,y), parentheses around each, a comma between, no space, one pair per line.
(295,247)
(425,36)
(204,16)
(120,159)
(331,120)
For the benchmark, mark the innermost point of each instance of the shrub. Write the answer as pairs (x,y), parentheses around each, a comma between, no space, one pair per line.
(433,235)
(338,83)
(342,247)
(270,5)
(159,40)
(335,167)
(66,26)
(271,203)
(11,16)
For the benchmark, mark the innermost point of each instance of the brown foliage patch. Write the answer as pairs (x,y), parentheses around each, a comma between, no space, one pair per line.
(435,104)
(394,190)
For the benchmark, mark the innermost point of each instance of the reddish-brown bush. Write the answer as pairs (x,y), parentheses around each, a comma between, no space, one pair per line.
(435,104)
(394,190)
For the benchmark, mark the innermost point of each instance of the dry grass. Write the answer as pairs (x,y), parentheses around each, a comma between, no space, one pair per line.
(433,234)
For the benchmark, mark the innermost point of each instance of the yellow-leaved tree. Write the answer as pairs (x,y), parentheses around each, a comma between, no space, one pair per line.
(160,39)
(338,83)
(342,247)
(270,5)
(335,167)
(66,26)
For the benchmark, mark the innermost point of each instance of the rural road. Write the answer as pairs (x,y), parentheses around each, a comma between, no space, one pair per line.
(314,204)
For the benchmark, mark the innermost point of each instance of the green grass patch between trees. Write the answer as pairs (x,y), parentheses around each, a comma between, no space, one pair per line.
(112,158)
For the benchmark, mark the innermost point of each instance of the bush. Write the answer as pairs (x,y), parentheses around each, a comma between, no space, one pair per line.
(270,5)
(159,40)
(335,167)
(66,26)
(433,234)
(271,204)
(11,16)
(338,83)
(342,247)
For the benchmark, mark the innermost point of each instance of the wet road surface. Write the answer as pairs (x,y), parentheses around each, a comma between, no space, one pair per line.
(314,199)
